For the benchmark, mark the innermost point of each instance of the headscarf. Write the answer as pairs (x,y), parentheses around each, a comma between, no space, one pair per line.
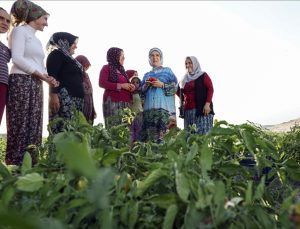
(160,53)
(83,60)
(62,41)
(25,11)
(113,57)
(197,72)
(130,73)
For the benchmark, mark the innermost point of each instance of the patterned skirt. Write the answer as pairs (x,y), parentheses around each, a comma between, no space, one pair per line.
(203,123)
(136,128)
(88,108)
(112,112)
(68,105)
(156,123)
(24,112)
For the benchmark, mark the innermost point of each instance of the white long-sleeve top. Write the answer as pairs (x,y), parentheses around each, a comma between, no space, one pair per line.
(26,51)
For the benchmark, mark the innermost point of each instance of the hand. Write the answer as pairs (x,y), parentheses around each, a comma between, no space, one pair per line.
(206,108)
(54,104)
(51,81)
(128,86)
(157,83)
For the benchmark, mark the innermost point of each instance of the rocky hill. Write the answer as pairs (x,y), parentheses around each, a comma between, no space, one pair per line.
(283,127)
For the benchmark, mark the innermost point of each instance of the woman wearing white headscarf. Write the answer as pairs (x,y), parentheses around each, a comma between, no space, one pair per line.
(159,88)
(197,89)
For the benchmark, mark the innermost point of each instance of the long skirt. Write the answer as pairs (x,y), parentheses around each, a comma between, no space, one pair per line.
(203,123)
(3,98)
(136,128)
(112,112)
(24,113)
(156,123)
(88,108)
(68,105)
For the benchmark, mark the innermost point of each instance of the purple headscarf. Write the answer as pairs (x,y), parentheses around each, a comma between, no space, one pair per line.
(113,57)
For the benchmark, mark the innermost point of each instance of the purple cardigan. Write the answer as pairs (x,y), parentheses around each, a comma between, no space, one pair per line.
(113,90)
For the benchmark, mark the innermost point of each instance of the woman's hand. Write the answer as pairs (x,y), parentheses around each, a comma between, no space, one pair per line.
(51,81)
(206,108)
(156,83)
(128,87)
(54,104)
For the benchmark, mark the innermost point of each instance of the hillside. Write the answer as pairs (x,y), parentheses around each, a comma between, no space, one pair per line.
(283,127)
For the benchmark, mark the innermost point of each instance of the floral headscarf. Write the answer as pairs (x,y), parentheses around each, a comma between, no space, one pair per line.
(25,11)
(197,72)
(113,57)
(160,53)
(62,41)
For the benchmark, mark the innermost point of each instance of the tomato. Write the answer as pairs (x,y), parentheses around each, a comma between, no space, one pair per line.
(151,79)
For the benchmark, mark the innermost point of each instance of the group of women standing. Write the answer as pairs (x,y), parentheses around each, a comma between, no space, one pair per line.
(68,81)
(71,90)
(158,89)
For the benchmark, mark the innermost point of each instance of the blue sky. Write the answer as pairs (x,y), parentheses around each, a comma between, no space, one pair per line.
(250,49)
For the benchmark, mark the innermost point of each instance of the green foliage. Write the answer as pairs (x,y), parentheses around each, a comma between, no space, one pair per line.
(2,148)
(88,177)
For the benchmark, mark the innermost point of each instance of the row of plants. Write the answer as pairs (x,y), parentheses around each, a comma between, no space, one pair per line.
(237,176)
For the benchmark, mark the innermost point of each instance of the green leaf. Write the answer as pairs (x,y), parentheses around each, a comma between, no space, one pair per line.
(192,217)
(182,187)
(163,200)
(192,153)
(27,163)
(4,172)
(264,218)
(219,196)
(73,149)
(249,140)
(260,189)
(106,217)
(206,158)
(170,217)
(30,182)
(133,213)
(7,195)
(248,197)
(112,156)
(153,177)
(83,213)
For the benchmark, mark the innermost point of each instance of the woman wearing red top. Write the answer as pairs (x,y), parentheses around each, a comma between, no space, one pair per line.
(117,94)
(197,92)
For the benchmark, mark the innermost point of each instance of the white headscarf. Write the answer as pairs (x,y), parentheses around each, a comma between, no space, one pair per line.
(197,71)
(160,53)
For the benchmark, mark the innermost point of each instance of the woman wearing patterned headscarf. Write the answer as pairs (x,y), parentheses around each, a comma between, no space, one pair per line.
(69,96)
(159,87)
(25,92)
(117,89)
(88,104)
(197,89)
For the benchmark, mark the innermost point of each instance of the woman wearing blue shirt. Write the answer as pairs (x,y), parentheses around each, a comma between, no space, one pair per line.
(159,88)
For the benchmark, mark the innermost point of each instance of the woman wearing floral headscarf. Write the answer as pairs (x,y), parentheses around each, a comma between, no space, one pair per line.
(69,96)
(159,87)
(114,80)
(197,89)
(88,104)
(25,91)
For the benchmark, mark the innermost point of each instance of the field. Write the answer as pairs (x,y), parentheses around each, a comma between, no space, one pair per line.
(237,176)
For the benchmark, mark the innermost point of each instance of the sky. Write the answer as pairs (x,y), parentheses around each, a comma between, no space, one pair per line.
(250,49)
